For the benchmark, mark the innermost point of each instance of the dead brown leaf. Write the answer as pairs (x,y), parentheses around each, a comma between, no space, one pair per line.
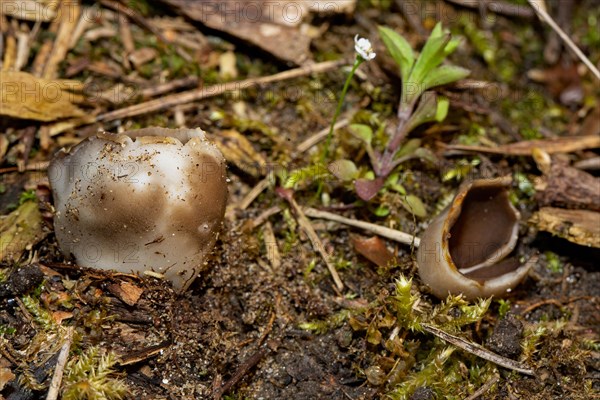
(20,230)
(60,316)
(6,376)
(563,82)
(265,24)
(374,250)
(239,151)
(28,97)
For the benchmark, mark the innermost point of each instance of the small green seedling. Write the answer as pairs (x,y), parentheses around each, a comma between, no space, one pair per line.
(418,104)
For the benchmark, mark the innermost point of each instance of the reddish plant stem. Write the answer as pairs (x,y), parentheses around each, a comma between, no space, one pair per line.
(387,164)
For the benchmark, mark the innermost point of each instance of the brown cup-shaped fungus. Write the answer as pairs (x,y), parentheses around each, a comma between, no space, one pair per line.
(463,249)
(146,200)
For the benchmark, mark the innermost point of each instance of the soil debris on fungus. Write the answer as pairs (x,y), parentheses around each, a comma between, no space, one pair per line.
(346,128)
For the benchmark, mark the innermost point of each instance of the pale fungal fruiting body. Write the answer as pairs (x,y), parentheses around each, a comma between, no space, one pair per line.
(146,200)
(463,250)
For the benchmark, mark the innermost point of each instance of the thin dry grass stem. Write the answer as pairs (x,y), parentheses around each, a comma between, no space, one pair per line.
(215,90)
(42,54)
(525,148)
(478,350)
(10,52)
(273,254)
(69,18)
(135,16)
(264,216)
(23,49)
(170,86)
(59,370)
(314,238)
(484,388)
(36,166)
(498,7)
(253,194)
(82,25)
(125,32)
(321,135)
(540,9)
(389,233)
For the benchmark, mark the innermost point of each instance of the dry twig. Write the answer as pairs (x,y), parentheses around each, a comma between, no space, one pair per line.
(498,7)
(478,350)
(484,388)
(540,9)
(565,144)
(241,372)
(271,246)
(215,90)
(312,235)
(389,233)
(321,135)
(60,366)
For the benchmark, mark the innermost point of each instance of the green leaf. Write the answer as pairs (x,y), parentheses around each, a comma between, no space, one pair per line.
(443,75)
(410,147)
(399,49)
(451,46)
(437,31)
(426,111)
(431,56)
(442,109)
(414,205)
(362,132)
(382,211)
(393,183)
(344,170)
(426,154)
(309,173)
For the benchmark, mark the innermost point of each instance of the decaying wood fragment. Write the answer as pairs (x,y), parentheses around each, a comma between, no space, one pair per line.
(569,187)
(578,226)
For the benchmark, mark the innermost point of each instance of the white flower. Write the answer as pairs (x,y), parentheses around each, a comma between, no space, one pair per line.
(363,48)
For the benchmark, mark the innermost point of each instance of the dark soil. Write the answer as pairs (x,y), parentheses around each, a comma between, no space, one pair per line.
(238,332)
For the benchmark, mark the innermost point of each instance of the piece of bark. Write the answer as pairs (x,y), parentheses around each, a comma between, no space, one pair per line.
(569,187)
(127,292)
(256,23)
(578,226)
